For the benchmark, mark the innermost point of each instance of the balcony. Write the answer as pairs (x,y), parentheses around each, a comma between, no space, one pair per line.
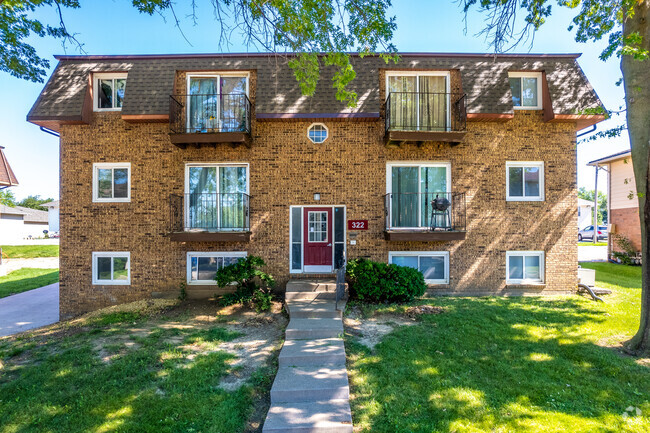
(419,117)
(209,119)
(424,217)
(223,217)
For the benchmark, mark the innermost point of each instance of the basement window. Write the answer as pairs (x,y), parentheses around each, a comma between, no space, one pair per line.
(111,268)
(525,267)
(202,267)
(434,265)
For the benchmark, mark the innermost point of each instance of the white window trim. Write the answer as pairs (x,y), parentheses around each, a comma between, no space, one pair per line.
(105,76)
(540,165)
(537,75)
(327,132)
(446,74)
(389,180)
(111,254)
(111,165)
(191,254)
(419,254)
(525,281)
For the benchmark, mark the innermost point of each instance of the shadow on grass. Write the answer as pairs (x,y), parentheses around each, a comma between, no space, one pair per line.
(496,364)
(143,383)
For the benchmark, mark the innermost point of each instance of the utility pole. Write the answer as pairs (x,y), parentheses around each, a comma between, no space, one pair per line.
(595,236)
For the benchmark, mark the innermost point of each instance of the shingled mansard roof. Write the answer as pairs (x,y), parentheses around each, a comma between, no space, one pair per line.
(7,176)
(151,81)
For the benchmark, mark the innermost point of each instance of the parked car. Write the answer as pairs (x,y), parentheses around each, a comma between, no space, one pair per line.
(588,233)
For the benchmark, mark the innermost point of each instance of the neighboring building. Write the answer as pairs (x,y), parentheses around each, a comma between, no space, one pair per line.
(622,201)
(585,213)
(175,165)
(20,223)
(52,215)
(7,176)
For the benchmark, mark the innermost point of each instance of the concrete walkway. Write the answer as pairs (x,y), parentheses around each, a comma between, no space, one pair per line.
(590,253)
(28,310)
(311,392)
(10,265)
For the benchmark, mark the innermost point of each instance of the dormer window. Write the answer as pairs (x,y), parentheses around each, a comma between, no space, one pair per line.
(217,102)
(526,90)
(109,91)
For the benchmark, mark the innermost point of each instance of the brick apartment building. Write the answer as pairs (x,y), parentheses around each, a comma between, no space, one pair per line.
(462,165)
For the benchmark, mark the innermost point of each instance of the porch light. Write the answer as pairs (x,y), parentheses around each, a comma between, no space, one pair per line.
(317,196)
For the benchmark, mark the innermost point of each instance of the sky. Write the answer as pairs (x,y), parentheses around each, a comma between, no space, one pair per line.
(115,27)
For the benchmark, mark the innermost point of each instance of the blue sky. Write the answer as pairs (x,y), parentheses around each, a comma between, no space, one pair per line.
(115,27)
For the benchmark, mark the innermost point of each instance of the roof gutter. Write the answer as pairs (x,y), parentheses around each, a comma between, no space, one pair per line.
(49,131)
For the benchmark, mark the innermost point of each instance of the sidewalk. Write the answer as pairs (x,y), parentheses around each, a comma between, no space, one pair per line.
(28,310)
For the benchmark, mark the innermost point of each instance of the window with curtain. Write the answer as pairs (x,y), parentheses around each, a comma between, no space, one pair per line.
(418,102)
(412,188)
(216,197)
(217,103)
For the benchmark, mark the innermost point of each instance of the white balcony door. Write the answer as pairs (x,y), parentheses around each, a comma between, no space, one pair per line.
(216,103)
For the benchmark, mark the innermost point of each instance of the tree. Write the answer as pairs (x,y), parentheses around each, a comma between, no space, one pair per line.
(588,195)
(7,198)
(625,24)
(307,27)
(34,202)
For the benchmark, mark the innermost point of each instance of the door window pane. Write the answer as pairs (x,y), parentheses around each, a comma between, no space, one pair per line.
(317,226)
(432,267)
(432,101)
(204,104)
(403,102)
(433,184)
(404,198)
(516,267)
(515,181)
(409,261)
(296,238)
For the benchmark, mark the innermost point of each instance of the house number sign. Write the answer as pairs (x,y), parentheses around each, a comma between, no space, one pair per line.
(357,224)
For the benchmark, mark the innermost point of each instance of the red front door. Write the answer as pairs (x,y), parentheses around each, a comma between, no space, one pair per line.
(318,239)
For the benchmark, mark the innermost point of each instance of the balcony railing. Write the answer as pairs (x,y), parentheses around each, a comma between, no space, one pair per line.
(209,113)
(225,212)
(427,211)
(425,112)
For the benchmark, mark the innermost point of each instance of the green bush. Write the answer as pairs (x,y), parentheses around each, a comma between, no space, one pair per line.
(380,282)
(253,285)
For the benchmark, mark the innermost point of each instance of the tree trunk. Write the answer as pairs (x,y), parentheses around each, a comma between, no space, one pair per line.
(636,75)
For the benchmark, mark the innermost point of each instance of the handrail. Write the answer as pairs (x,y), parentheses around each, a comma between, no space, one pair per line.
(210,212)
(209,113)
(426,111)
(432,210)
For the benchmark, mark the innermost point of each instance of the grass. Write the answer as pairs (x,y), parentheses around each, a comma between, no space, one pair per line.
(126,371)
(591,244)
(507,365)
(25,279)
(29,251)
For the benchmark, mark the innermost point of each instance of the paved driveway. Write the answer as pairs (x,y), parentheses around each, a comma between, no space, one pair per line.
(28,310)
(592,253)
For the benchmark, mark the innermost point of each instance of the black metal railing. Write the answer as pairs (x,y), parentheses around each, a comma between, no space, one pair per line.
(427,112)
(209,113)
(439,211)
(210,212)
(341,270)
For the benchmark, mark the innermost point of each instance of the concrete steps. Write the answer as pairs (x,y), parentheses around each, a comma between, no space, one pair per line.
(325,351)
(310,393)
(331,416)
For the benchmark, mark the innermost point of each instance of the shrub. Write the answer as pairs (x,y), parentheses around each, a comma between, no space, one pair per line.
(253,285)
(380,282)
(628,253)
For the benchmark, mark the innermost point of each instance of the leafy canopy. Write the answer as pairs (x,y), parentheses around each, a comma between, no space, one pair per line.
(307,27)
(34,202)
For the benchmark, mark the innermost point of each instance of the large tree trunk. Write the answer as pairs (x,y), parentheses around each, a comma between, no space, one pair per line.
(636,74)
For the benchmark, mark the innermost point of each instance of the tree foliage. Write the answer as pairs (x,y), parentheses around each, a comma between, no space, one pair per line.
(586,194)
(307,27)
(7,198)
(34,202)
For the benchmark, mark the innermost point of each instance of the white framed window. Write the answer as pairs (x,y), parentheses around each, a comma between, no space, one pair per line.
(217,102)
(108,91)
(526,90)
(112,182)
(434,265)
(317,133)
(202,267)
(111,268)
(525,267)
(524,180)
(418,100)
(410,189)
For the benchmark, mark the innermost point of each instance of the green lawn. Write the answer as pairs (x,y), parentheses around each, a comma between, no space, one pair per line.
(29,251)
(591,244)
(507,365)
(128,372)
(26,279)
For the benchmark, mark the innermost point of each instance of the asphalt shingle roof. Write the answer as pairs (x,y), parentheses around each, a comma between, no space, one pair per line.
(7,176)
(151,81)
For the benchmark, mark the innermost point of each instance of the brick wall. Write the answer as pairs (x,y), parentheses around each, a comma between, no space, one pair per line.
(628,224)
(286,169)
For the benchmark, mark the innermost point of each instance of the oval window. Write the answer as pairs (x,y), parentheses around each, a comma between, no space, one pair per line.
(317,133)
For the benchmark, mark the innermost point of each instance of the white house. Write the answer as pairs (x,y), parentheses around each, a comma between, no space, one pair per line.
(585,213)
(19,223)
(53,215)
